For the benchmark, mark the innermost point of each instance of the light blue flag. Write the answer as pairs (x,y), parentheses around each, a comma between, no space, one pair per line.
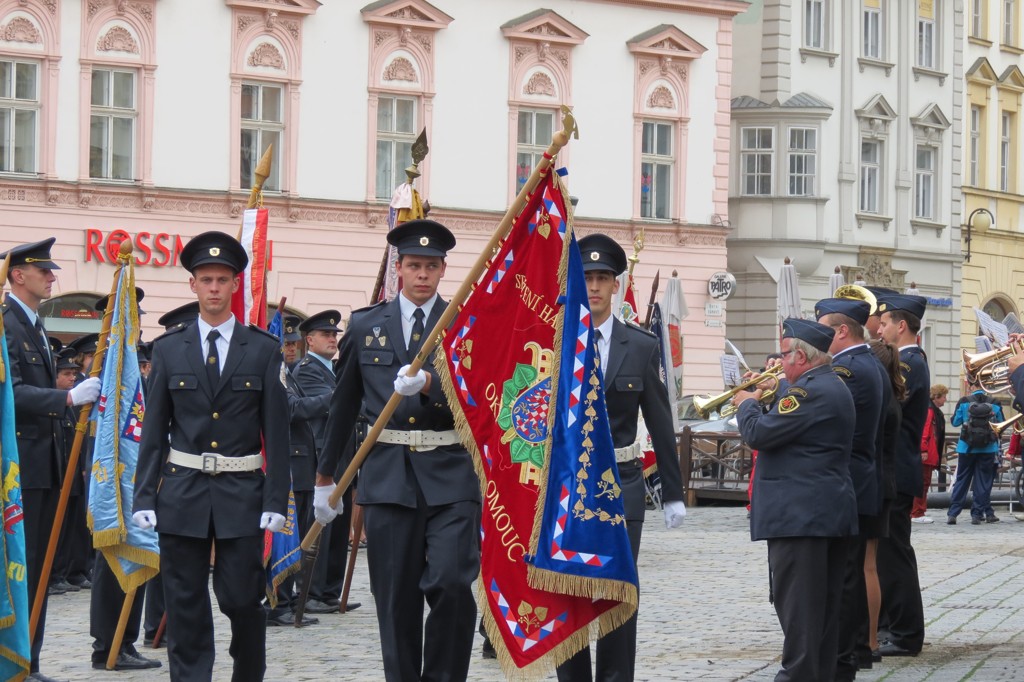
(15,652)
(132,553)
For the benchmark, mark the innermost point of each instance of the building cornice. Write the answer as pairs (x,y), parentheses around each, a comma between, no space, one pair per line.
(729,8)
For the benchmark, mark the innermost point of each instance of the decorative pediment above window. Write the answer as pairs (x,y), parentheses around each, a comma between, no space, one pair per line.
(406,14)
(546,26)
(981,70)
(20,30)
(1012,79)
(876,115)
(301,7)
(117,39)
(930,117)
(666,41)
(267,55)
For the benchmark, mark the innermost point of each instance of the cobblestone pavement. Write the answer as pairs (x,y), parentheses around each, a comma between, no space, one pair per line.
(704,613)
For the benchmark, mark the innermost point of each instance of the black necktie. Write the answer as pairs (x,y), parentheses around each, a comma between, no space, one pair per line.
(42,334)
(597,344)
(213,359)
(416,339)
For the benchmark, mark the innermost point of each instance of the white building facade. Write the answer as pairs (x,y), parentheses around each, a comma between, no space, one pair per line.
(143,119)
(847,120)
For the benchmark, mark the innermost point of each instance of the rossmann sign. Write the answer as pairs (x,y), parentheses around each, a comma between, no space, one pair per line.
(158,250)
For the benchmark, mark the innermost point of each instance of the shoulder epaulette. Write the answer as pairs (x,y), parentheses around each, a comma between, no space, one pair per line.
(634,327)
(305,361)
(264,332)
(370,307)
(181,326)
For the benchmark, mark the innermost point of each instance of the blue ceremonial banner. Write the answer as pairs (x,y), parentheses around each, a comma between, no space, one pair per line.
(132,553)
(15,652)
(581,526)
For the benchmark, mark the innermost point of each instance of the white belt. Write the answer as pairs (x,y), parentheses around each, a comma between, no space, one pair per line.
(629,453)
(213,463)
(418,440)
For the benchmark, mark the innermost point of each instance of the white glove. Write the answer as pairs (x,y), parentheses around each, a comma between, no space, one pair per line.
(405,385)
(674,514)
(145,519)
(85,392)
(322,509)
(272,521)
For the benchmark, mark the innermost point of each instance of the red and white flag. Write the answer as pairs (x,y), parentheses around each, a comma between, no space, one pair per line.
(249,303)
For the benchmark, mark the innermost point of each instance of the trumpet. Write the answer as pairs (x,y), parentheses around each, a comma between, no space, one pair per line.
(857,293)
(705,405)
(1016,422)
(991,369)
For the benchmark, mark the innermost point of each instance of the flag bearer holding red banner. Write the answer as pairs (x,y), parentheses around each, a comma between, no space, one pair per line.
(630,363)
(420,495)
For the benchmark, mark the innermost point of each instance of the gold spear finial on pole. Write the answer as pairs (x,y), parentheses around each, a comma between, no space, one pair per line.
(638,246)
(420,149)
(262,172)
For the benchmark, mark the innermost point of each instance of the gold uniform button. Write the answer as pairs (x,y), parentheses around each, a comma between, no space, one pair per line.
(216,415)
(376,359)
(631,385)
(412,420)
(248,385)
(174,470)
(181,383)
(213,444)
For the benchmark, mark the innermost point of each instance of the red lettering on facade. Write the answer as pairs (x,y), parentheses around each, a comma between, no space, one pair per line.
(93,240)
(143,253)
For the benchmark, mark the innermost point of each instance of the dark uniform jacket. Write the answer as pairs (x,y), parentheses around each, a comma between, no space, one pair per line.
(372,351)
(315,379)
(302,409)
(249,402)
(633,383)
(40,407)
(802,484)
(915,411)
(858,368)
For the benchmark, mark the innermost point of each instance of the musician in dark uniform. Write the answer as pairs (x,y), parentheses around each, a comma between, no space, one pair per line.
(630,361)
(154,609)
(215,398)
(856,365)
(902,609)
(291,342)
(804,503)
(420,494)
(40,410)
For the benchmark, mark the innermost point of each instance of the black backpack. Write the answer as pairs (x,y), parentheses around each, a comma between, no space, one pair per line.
(977,430)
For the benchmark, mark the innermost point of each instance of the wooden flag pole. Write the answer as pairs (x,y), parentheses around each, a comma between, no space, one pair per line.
(559,140)
(123,258)
(122,623)
(357,532)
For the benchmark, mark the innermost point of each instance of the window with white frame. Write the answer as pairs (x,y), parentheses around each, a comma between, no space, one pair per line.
(757,156)
(872,27)
(803,157)
(977,18)
(657,160)
(262,126)
(815,34)
(1009,22)
(396,133)
(870,176)
(975,158)
(924,182)
(926,34)
(19,115)
(1005,151)
(534,135)
(112,124)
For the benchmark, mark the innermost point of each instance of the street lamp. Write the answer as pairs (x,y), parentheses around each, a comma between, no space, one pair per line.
(984,223)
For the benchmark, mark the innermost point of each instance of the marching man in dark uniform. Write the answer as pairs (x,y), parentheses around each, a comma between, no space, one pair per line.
(631,366)
(902,610)
(418,488)
(863,374)
(215,396)
(40,409)
(803,502)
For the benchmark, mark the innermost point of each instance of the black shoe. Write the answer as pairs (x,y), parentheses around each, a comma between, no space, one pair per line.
(39,677)
(68,587)
(488,649)
(975,521)
(54,589)
(82,583)
(314,606)
(893,649)
(992,519)
(876,657)
(287,618)
(352,606)
(150,662)
(128,662)
(951,520)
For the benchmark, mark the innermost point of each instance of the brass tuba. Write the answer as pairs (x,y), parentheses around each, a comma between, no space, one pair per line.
(1016,422)
(857,293)
(991,369)
(707,404)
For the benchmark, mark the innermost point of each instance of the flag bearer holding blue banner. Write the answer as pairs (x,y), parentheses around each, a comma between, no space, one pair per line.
(215,397)
(630,362)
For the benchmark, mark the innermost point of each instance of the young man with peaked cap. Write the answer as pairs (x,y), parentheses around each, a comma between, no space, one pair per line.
(804,503)
(875,318)
(422,501)
(215,399)
(291,342)
(180,316)
(902,610)
(630,362)
(41,409)
(855,364)
(315,376)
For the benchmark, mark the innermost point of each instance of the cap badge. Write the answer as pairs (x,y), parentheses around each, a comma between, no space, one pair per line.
(594,255)
(215,251)
(331,320)
(424,241)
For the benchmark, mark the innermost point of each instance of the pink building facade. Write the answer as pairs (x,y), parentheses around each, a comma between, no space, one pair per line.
(142,120)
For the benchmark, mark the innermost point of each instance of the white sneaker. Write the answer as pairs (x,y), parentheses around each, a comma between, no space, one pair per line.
(922,519)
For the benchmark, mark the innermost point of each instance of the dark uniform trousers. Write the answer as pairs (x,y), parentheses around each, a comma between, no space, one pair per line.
(105,605)
(198,512)
(632,384)
(40,411)
(902,611)
(422,508)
